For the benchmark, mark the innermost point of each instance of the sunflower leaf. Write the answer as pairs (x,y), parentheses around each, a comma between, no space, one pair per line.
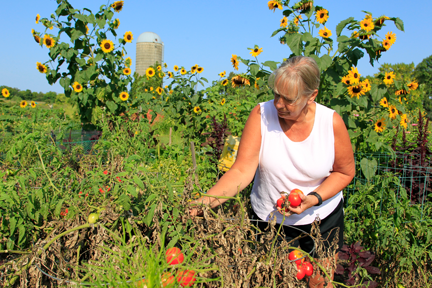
(398,23)
(342,25)
(343,43)
(325,62)
(112,106)
(277,31)
(271,64)
(377,92)
(254,68)
(65,82)
(287,12)
(294,42)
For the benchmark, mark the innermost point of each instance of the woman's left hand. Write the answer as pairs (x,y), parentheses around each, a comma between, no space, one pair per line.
(307,202)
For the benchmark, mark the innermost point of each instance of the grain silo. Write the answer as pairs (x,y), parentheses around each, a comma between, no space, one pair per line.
(149,50)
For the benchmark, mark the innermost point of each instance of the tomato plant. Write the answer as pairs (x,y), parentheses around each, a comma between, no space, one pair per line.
(186,278)
(294,255)
(174,256)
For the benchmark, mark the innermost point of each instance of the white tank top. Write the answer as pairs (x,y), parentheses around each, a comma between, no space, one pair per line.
(285,165)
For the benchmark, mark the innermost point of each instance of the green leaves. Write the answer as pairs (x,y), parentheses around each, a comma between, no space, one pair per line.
(398,23)
(294,41)
(342,25)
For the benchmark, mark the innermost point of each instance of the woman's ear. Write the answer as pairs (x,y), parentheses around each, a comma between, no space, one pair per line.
(313,96)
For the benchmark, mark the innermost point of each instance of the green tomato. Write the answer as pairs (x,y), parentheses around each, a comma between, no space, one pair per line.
(93,218)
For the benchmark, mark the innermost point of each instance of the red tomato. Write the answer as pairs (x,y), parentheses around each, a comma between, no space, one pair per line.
(174,256)
(280,203)
(294,199)
(294,255)
(186,278)
(167,279)
(296,191)
(301,272)
(308,268)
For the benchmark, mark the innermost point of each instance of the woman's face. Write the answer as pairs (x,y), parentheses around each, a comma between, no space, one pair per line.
(289,106)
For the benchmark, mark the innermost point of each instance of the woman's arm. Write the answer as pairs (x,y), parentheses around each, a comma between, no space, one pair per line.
(243,170)
(343,168)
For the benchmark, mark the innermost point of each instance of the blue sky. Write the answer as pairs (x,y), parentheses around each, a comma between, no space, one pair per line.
(206,33)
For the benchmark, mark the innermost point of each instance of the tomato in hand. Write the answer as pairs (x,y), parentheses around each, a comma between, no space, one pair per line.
(174,256)
(301,272)
(308,268)
(294,255)
(281,203)
(297,191)
(294,199)
(186,278)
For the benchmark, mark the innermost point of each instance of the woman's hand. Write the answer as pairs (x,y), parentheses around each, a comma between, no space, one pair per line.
(195,211)
(307,202)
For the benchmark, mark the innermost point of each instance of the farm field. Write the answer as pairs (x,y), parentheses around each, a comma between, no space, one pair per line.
(98,193)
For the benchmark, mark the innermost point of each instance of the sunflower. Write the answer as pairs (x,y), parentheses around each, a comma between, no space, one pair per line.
(150,72)
(238,80)
(356,91)
(48,41)
(200,69)
(116,23)
(5,92)
(347,80)
(165,65)
(222,74)
(124,96)
(355,34)
(322,16)
(386,44)
(393,111)
(389,77)
(183,71)
(380,125)
(296,20)
(354,75)
(23,104)
(107,46)
(364,36)
(33,104)
(272,5)
(413,85)
(404,121)
(325,33)
(197,109)
(161,74)
(401,92)
(117,6)
(159,90)
(37,18)
(391,37)
(128,37)
(127,71)
(367,24)
(384,102)
(41,68)
(284,22)
(380,20)
(194,68)
(366,85)
(223,101)
(256,83)
(159,68)
(87,29)
(128,62)
(170,74)
(37,38)
(234,61)
(77,87)
(151,88)
(176,68)
(225,82)
(256,51)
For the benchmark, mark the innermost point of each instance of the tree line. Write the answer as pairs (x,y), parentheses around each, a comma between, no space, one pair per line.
(28,95)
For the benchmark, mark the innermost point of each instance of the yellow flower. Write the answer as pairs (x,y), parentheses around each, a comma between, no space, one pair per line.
(223,101)
(380,125)
(234,61)
(127,71)
(393,111)
(386,44)
(150,72)
(256,83)
(176,68)
(366,85)
(356,91)
(23,104)
(389,77)
(325,33)
(200,69)
(171,91)
(170,75)
(159,90)
(222,74)
(159,68)
(272,5)
(5,92)
(347,80)
(87,29)
(151,88)
(384,102)
(401,92)
(128,62)
(167,99)
(284,22)
(380,20)
(354,75)
(390,36)
(256,51)
(194,68)
(117,6)
(355,34)
(413,85)
(33,104)
(322,16)
(128,37)
(77,87)
(107,46)
(48,41)
(116,23)
(197,109)
(224,82)
(165,65)
(37,18)
(296,20)
(41,68)
(124,96)
(145,90)
(367,24)
(183,71)
(238,80)
(404,121)
(37,38)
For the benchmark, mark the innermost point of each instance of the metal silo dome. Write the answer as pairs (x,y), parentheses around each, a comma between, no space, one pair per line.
(149,50)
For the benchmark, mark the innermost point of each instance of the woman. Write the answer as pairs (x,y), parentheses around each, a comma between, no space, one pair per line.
(293,142)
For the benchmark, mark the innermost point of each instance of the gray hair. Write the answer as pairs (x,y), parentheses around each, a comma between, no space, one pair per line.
(298,74)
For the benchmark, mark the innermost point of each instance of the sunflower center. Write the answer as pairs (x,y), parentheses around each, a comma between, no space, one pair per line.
(107,45)
(78,87)
(355,75)
(48,42)
(357,89)
(393,111)
(40,68)
(325,34)
(255,50)
(379,124)
(129,37)
(321,15)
